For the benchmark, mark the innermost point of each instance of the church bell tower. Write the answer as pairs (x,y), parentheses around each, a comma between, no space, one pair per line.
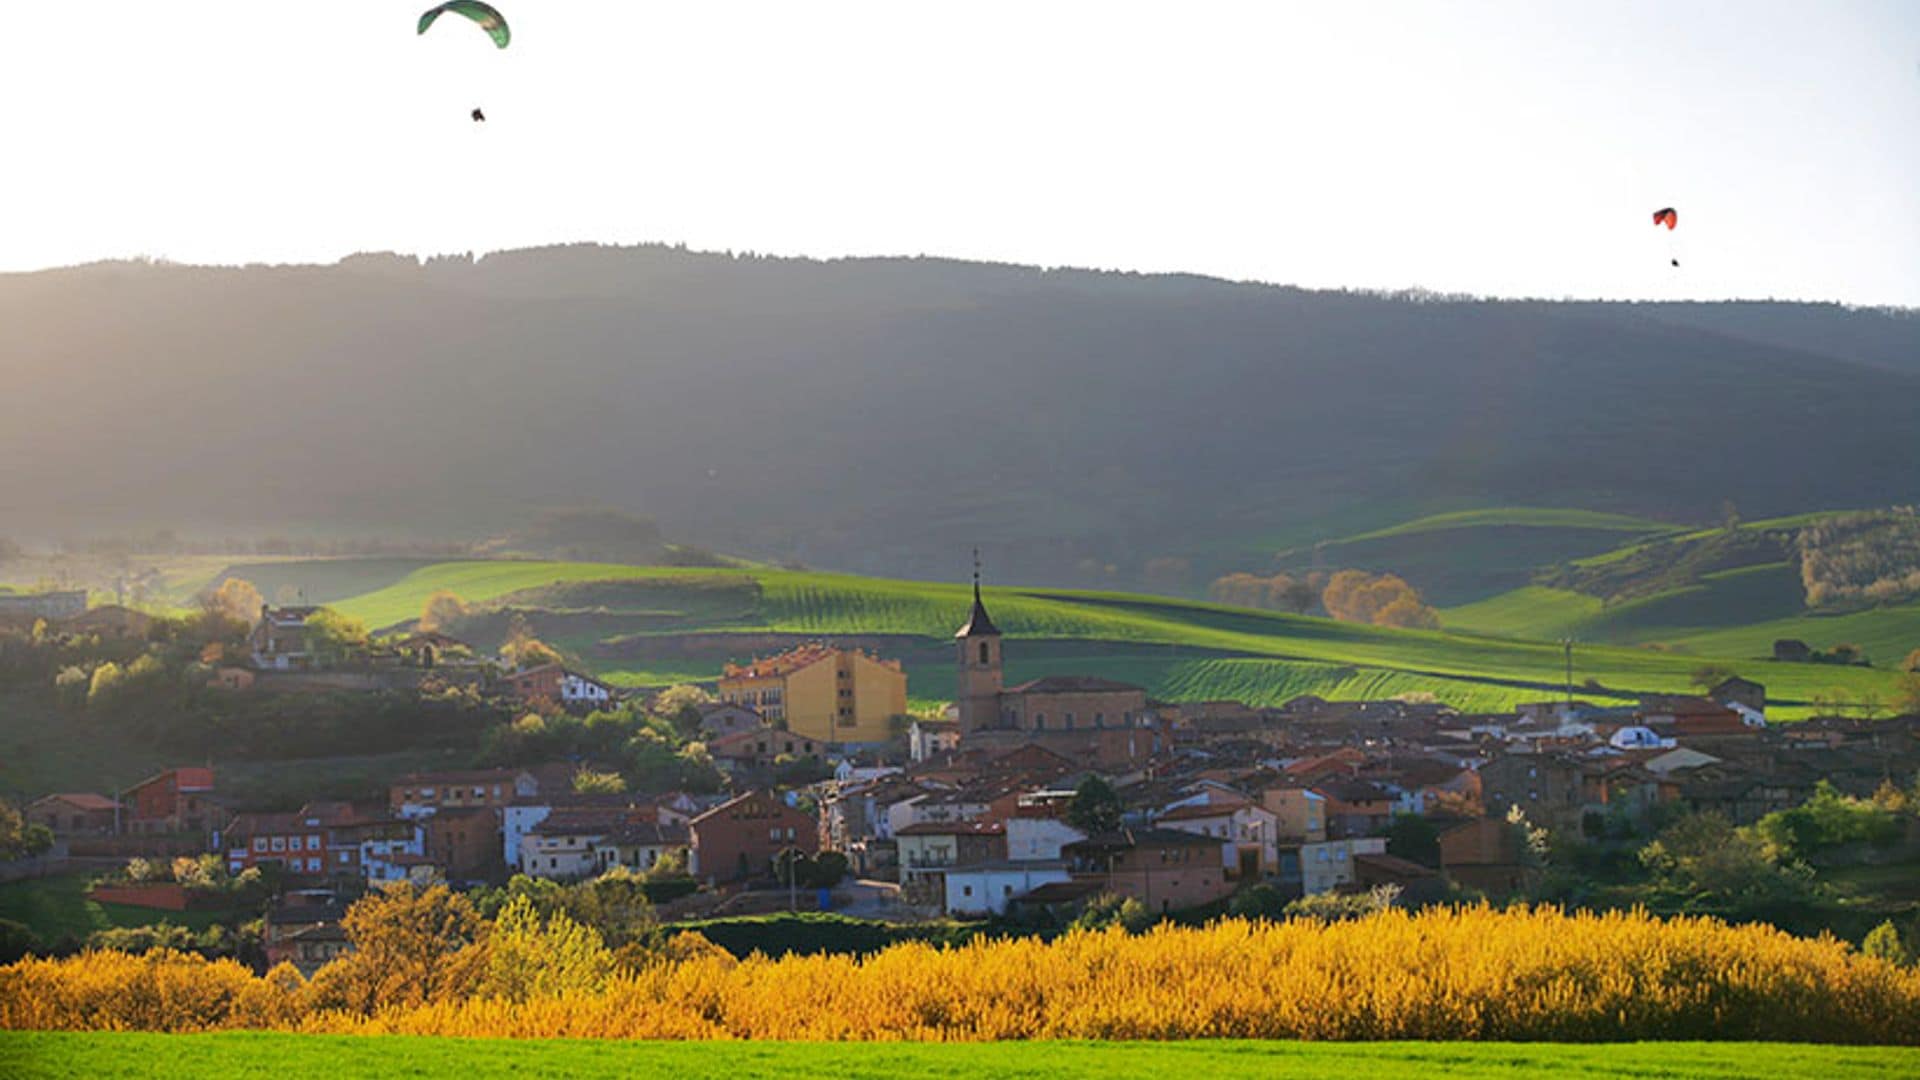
(978,695)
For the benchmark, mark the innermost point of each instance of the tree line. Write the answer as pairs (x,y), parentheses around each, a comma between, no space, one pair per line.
(1357,596)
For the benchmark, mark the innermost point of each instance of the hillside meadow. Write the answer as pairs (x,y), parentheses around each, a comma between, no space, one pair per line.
(1210,650)
(111,1055)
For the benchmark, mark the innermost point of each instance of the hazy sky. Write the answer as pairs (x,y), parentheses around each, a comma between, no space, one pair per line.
(1511,149)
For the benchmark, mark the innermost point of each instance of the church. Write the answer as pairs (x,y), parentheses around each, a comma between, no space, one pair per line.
(1099,723)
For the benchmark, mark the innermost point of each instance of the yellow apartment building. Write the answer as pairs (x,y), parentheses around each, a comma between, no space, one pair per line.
(828,694)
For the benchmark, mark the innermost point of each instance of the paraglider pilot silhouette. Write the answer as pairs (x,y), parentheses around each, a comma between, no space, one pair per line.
(1669,217)
(483,15)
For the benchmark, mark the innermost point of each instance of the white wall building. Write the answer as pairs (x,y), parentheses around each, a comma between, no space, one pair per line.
(577,689)
(1031,839)
(976,891)
(1329,865)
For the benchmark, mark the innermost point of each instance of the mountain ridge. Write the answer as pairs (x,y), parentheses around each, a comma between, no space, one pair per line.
(880,415)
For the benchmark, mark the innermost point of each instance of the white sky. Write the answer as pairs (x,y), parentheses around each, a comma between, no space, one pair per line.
(1514,149)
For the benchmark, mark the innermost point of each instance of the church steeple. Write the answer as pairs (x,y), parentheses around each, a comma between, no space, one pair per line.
(978,642)
(979,623)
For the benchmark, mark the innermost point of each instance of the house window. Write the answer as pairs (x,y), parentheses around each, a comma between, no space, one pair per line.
(313,843)
(1099,719)
(279,843)
(966,890)
(313,865)
(1069,721)
(1040,721)
(773,836)
(343,858)
(259,843)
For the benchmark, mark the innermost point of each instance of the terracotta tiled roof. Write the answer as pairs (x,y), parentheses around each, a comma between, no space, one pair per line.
(953,828)
(85,800)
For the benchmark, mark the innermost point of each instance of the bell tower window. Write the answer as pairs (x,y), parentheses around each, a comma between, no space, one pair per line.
(986,653)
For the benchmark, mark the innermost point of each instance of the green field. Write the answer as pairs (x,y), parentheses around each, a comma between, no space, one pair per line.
(119,1054)
(57,907)
(1532,517)
(1462,556)
(1179,649)
(1736,614)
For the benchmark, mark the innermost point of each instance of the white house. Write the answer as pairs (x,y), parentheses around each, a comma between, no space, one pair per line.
(1329,865)
(1637,737)
(640,845)
(392,858)
(1039,839)
(846,772)
(584,690)
(981,890)
(929,739)
(561,850)
(516,822)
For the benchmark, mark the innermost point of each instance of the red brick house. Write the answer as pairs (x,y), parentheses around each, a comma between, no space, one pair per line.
(758,749)
(536,685)
(739,838)
(288,840)
(321,839)
(418,793)
(178,800)
(1486,854)
(465,843)
(73,814)
(1164,869)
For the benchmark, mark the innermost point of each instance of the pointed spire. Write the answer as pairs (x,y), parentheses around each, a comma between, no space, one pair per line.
(979,623)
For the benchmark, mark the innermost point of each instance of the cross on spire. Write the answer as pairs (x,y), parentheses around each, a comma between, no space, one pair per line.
(976,573)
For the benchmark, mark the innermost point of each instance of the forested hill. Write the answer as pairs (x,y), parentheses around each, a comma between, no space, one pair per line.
(882,415)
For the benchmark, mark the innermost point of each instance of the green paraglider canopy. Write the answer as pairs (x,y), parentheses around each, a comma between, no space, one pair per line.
(483,15)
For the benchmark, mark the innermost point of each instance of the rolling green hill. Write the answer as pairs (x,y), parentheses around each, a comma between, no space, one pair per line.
(1467,555)
(1708,592)
(1178,649)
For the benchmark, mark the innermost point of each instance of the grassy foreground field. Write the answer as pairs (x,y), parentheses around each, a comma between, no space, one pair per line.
(246,1054)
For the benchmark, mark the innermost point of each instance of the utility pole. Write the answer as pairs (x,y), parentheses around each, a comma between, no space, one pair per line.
(1567,644)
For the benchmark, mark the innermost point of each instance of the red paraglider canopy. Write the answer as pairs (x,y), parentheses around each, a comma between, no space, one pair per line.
(1668,217)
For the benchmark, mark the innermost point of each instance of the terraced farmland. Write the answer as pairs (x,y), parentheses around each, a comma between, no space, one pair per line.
(1178,649)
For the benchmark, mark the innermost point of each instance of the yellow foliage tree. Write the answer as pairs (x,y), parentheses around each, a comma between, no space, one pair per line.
(1441,973)
(443,611)
(410,946)
(531,957)
(236,600)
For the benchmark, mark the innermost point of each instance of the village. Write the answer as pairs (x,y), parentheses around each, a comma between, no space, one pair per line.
(1024,803)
